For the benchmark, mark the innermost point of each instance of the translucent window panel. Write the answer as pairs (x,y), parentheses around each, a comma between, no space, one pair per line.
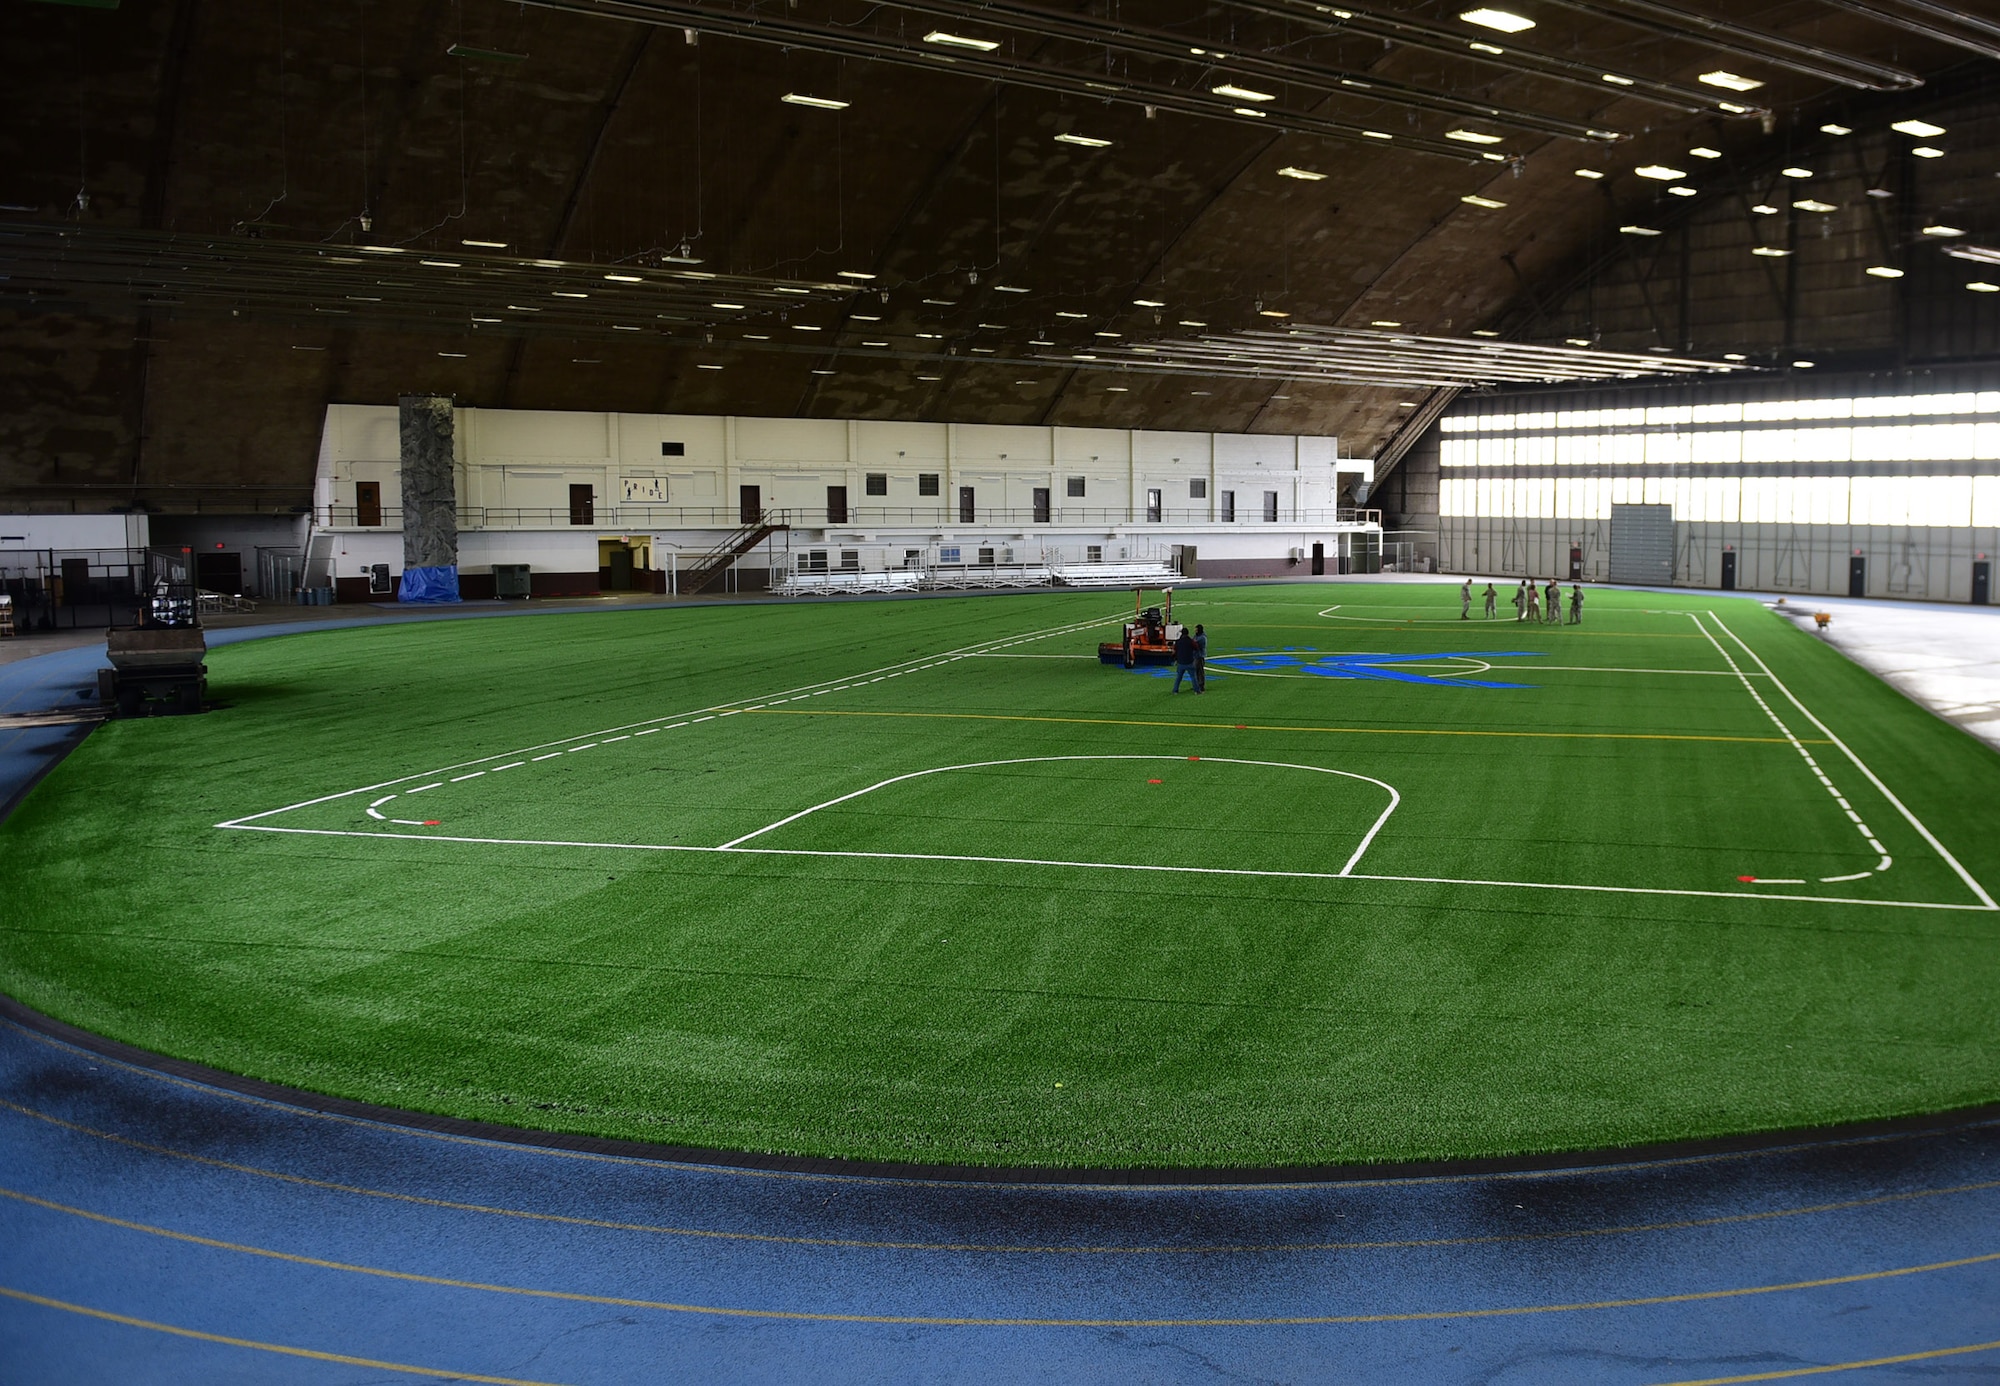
(1538,451)
(1453,425)
(1986,441)
(1669,449)
(1826,500)
(1881,443)
(1987,402)
(1545,496)
(1822,445)
(1723,445)
(1566,451)
(1718,413)
(1729,497)
(1986,502)
(1671,414)
(1953,442)
(1655,492)
(1625,447)
(1951,501)
(1455,452)
(1768,445)
(1760,500)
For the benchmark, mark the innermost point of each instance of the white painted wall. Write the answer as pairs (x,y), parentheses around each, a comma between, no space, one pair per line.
(74,532)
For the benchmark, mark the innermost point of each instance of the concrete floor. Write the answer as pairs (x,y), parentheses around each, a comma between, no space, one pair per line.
(1945,657)
(155,1227)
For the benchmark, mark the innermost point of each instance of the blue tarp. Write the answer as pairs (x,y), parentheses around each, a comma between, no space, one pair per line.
(430,585)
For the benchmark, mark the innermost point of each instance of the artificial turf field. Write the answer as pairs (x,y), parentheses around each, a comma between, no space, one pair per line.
(921,880)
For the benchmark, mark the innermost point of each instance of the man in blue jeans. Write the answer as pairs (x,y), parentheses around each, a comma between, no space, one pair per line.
(1200,660)
(1184,661)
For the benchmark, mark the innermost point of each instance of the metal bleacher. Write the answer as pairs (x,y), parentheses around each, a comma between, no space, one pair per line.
(1153,573)
(845,583)
(975,576)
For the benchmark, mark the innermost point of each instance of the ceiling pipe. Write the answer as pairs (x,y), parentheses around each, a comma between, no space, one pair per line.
(1166,44)
(1724,37)
(1528,62)
(1988,47)
(779,29)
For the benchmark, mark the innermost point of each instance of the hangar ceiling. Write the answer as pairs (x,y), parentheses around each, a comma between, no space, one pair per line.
(969,197)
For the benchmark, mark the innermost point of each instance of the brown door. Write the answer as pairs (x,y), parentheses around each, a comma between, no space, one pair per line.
(966,511)
(1041,505)
(836,505)
(583,505)
(368,503)
(750,501)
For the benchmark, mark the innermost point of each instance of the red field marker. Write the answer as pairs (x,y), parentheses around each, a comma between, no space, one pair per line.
(1152,781)
(1746,878)
(1194,757)
(1241,727)
(432,822)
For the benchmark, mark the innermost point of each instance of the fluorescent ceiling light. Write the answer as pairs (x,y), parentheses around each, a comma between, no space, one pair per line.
(1734,356)
(943,302)
(1592,174)
(1807,204)
(1836,129)
(521,308)
(1884,272)
(1376,135)
(680,259)
(1271,313)
(1732,108)
(1980,286)
(1702,151)
(1487,48)
(818,103)
(1116,389)
(1729,81)
(486,245)
(621,327)
(1246,111)
(568,293)
(1765,209)
(930,377)
(1660,173)
(1237,93)
(852,274)
(1083,356)
(1505,21)
(803,327)
(931,336)
(456,354)
(781,288)
(440,264)
(1977,253)
(1618,81)
(1385,322)
(1943,231)
(1572,341)
(1148,303)
(817,371)
(704,274)
(1496,158)
(1108,334)
(944,40)
(703,366)
(1008,289)
(1638,231)
(393,250)
(1922,129)
(1484,332)
(1803,365)
(1475,200)
(727,307)
(1794,171)
(624,278)
(864,317)
(1471,137)
(1304,175)
(996,326)
(1192,322)
(1065,314)
(1039,341)
(486,319)
(1770,252)
(1924,151)
(1681,192)
(874,344)
(1084,140)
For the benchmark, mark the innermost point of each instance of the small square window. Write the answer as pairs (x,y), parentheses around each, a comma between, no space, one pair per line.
(673,449)
(948,553)
(986,558)
(1198,488)
(1093,553)
(1075,486)
(850,560)
(927,484)
(876,484)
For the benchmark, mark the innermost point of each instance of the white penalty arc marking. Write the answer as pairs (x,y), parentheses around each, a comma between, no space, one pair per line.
(1972,884)
(653,724)
(1867,834)
(1394,800)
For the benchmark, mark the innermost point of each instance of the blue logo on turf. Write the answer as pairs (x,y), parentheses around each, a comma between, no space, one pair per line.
(1380,668)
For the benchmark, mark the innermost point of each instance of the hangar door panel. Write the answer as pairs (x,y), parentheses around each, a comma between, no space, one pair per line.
(1642,544)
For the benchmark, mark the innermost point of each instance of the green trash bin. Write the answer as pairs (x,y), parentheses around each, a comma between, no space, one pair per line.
(510,580)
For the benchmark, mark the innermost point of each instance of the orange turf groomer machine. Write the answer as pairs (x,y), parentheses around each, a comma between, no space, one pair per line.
(1149,635)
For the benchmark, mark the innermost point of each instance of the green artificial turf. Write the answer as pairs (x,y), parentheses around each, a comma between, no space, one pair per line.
(956,966)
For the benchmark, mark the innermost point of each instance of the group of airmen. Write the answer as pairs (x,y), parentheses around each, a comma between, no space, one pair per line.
(1542,605)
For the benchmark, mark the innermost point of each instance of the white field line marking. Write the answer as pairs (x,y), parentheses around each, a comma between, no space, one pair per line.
(515,765)
(1596,669)
(1867,834)
(1107,866)
(1394,797)
(1051,632)
(422,787)
(461,779)
(1928,836)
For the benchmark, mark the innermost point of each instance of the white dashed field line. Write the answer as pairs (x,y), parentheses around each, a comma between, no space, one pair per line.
(855,681)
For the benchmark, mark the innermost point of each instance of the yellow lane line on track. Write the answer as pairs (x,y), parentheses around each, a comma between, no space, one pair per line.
(373,1364)
(1204,1249)
(954,1321)
(1234,726)
(1791,1372)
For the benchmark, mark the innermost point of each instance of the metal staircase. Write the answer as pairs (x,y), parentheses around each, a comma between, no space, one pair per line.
(709,568)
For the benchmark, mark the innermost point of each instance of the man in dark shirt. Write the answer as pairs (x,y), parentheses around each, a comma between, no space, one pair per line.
(1184,660)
